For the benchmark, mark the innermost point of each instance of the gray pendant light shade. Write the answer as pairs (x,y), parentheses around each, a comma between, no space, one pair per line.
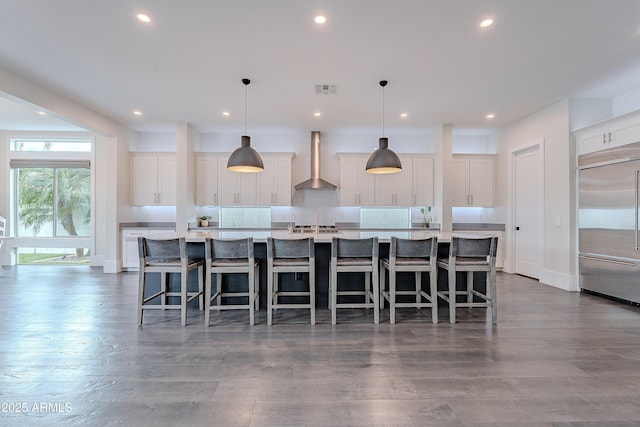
(383,160)
(245,158)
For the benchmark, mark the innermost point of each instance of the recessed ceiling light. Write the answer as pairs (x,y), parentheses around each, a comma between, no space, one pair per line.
(316,114)
(490,116)
(320,19)
(144,18)
(42,113)
(137,113)
(225,113)
(403,115)
(486,23)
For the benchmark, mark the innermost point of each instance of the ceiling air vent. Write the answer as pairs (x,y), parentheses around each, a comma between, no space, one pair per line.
(324,89)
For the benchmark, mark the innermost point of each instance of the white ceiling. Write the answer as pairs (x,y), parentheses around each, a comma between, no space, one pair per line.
(187,65)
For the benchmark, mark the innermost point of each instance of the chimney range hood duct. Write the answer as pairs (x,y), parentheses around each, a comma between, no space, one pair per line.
(315,182)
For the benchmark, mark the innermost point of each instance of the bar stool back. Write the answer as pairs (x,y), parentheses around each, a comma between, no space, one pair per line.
(290,256)
(471,255)
(355,255)
(230,257)
(411,256)
(166,256)
(3,225)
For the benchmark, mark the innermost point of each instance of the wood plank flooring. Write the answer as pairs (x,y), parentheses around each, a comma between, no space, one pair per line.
(72,354)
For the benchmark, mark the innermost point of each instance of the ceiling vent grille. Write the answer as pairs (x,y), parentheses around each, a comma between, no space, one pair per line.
(325,89)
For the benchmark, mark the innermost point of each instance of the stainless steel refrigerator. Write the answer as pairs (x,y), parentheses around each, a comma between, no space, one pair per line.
(609,252)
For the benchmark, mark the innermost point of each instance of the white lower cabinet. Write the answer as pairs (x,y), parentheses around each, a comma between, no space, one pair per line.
(130,258)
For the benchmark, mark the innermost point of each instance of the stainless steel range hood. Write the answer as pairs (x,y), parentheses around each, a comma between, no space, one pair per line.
(315,182)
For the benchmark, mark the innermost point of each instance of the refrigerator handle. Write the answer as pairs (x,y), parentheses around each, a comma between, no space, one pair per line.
(637,177)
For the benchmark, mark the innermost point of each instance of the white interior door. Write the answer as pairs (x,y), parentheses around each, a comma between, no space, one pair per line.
(529,178)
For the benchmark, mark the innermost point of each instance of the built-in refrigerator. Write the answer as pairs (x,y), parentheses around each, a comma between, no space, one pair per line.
(608,248)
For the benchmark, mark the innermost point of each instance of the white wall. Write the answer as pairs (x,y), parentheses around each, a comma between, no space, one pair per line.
(551,125)
(111,168)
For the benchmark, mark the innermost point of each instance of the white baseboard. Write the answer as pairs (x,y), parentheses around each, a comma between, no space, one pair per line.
(112,266)
(563,281)
(96,261)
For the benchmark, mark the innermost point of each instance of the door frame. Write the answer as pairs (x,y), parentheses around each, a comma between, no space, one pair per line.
(510,238)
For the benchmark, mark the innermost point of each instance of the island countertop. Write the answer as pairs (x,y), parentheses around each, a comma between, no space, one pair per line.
(260,236)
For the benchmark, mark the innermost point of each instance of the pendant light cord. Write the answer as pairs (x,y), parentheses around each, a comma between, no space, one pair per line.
(246,107)
(383,111)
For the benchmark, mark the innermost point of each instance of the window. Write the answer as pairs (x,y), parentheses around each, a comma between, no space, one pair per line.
(52,201)
(49,145)
(51,198)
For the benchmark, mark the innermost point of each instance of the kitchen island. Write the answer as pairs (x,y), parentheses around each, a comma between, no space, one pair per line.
(195,242)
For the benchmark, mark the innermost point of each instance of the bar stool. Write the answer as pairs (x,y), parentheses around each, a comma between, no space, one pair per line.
(410,256)
(290,256)
(355,255)
(470,255)
(166,256)
(231,257)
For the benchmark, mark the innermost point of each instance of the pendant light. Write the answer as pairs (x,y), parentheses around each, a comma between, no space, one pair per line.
(245,158)
(383,160)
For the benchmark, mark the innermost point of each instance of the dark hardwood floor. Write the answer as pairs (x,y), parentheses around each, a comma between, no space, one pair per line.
(72,354)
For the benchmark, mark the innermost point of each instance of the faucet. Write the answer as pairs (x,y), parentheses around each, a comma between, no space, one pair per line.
(317,216)
(291,222)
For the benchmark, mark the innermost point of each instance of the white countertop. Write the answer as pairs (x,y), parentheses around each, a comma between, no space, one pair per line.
(261,236)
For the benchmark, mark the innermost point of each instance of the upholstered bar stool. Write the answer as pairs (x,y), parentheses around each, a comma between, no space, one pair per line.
(230,257)
(290,256)
(471,255)
(166,256)
(355,255)
(416,256)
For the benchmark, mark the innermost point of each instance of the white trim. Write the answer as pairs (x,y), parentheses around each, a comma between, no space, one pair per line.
(112,266)
(567,282)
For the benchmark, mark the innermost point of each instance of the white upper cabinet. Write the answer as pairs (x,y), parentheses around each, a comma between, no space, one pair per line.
(612,133)
(217,186)
(357,187)
(473,180)
(236,188)
(153,179)
(413,186)
(274,183)
(206,179)
(395,189)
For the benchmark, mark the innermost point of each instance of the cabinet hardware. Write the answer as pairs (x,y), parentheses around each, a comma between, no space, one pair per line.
(610,136)
(604,138)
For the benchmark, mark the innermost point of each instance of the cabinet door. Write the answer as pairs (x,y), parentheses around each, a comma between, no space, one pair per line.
(422,182)
(366,183)
(167,175)
(395,189)
(404,183)
(349,181)
(460,182)
(143,180)
(274,183)
(385,189)
(247,187)
(130,258)
(625,132)
(594,140)
(357,186)
(207,180)
(227,187)
(481,182)
(235,188)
